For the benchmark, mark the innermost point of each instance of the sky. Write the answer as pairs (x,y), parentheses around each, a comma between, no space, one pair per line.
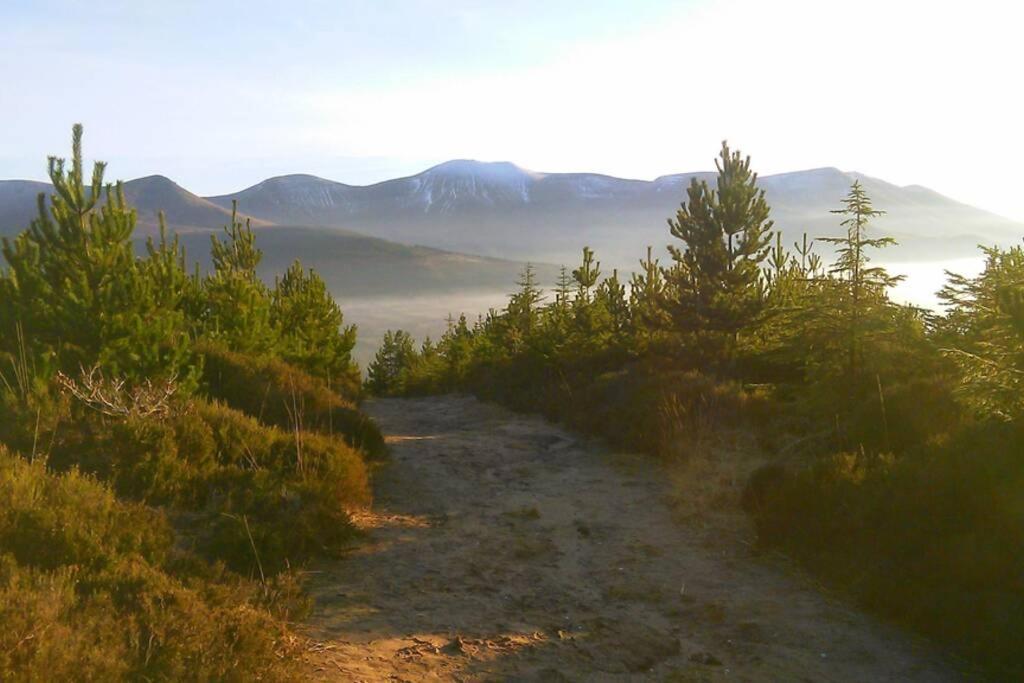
(220,95)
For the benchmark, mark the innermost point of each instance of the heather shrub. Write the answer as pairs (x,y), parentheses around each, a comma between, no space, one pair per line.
(279,394)
(250,490)
(926,538)
(93,588)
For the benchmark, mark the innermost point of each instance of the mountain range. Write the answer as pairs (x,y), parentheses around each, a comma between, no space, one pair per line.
(150,195)
(500,209)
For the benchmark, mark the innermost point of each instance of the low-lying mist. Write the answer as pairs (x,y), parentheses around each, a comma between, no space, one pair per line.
(420,315)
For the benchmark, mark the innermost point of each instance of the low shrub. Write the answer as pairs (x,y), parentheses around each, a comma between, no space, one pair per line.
(283,497)
(931,539)
(279,394)
(640,406)
(92,588)
(254,494)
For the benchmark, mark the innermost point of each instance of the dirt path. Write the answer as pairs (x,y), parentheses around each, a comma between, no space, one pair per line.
(504,548)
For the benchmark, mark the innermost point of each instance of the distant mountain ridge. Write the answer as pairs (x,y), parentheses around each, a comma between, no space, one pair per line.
(186,212)
(500,209)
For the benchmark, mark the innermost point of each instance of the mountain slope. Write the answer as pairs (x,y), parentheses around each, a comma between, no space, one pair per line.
(18,204)
(501,209)
(357,266)
(186,212)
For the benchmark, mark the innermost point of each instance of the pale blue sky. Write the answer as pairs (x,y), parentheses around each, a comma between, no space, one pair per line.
(219,95)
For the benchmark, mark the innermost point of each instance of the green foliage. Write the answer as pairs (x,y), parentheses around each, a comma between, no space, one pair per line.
(858,302)
(92,588)
(388,373)
(250,490)
(715,284)
(586,276)
(112,369)
(523,311)
(276,497)
(898,432)
(236,306)
(309,320)
(647,314)
(284,396)
(928,539)
(983,333)
(75,292)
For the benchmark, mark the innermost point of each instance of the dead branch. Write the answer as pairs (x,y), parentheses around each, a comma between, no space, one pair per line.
(115,398)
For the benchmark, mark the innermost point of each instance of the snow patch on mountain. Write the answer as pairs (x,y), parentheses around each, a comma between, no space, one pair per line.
(461,182)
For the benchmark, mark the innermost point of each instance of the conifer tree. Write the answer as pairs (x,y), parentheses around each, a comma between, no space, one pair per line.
(715,284)
(524,305)
(592,327)
(311,327)
(611,294)
(389,370)
(458,346)
(863,288)
(778,261)
(236,303)
(556,319)
(646,292)
(984,330)
(563,288)
(809,262)
(76,291)
(587,275)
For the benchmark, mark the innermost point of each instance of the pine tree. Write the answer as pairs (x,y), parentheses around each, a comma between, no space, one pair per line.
(563,288)
(236,304)
(457,345)
(75,290)
(809,262)
(863,288)
(524,306)
(646,292)
(587,275)
(389,370)
(984,334)
(611,294)
(311,327)
(592,328)
(715,287)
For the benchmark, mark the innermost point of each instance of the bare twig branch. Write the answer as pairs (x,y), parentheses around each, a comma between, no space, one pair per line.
(114,398)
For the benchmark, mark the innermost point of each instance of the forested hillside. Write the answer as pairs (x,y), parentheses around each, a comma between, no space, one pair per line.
(174,447)
(893,435)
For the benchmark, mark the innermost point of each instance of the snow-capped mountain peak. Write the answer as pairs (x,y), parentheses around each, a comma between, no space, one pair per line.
(469,182)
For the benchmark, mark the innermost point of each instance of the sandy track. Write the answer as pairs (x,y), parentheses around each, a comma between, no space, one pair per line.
(504,548)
